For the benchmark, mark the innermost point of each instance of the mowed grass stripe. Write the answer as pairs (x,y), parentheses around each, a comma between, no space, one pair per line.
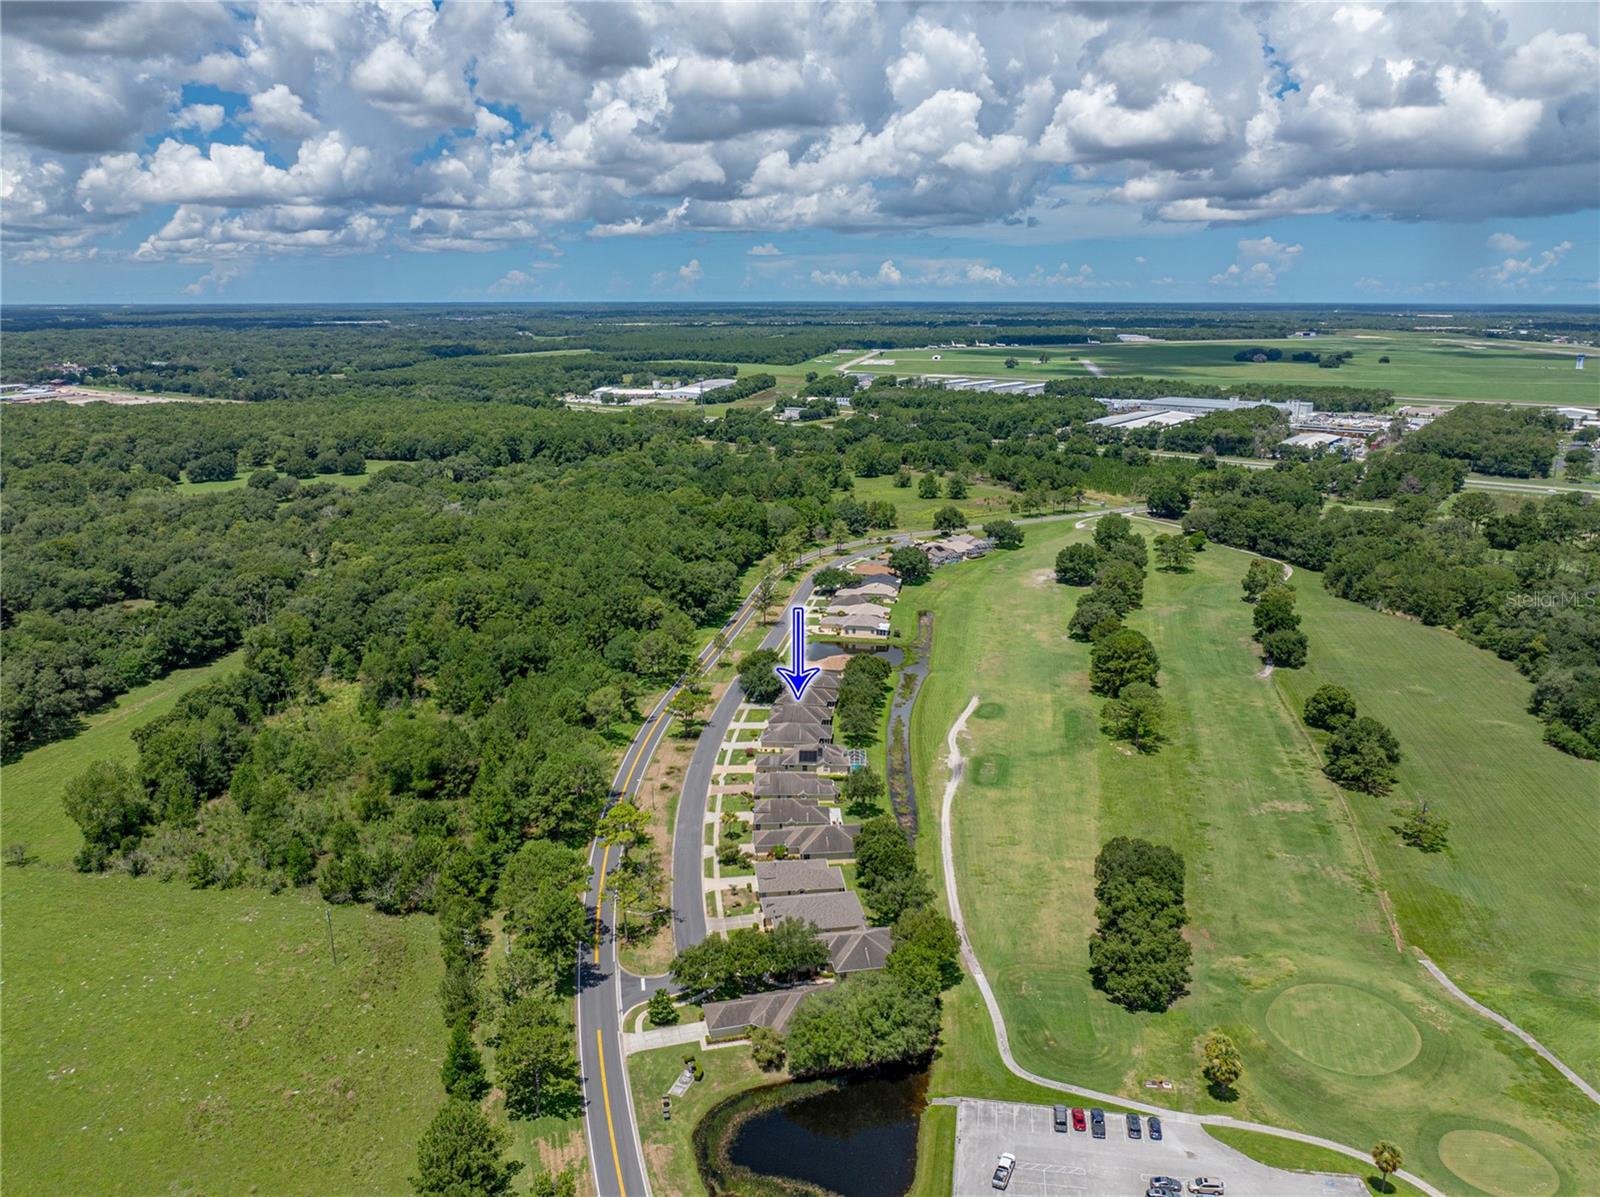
(1512,910)
(1280,894)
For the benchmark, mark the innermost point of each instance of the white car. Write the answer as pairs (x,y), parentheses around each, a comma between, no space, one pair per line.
(1004,1169)
(1207,1187)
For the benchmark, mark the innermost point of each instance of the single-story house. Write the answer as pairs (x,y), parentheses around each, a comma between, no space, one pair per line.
(793,785)
(789,812)
(824,758)
(862,610)
(873,569)
(795,735)
(840,911)
(830,841)
(729,1020)
(959,546)
(858,623)
(871,592)
(787,710)
(781,878)
(858,951)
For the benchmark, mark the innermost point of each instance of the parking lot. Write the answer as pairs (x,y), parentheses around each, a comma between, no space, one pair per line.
(1076,1164)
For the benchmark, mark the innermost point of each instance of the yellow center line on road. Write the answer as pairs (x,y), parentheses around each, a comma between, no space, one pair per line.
(600,901)
(605,1096)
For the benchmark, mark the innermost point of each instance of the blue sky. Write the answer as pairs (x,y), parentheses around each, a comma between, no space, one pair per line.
(1353,153)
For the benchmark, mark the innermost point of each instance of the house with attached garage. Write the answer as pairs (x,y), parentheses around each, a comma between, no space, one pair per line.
(830,841)
(793,785)
(729,1020)
(868,621)
(839,911)
(783,878)
(827,759)
(789,812)
(859,950)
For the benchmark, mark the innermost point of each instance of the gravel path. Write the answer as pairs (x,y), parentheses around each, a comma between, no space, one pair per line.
(957,766)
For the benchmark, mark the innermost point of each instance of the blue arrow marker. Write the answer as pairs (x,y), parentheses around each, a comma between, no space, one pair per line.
(797,677)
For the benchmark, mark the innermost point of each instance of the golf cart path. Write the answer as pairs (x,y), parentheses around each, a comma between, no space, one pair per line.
(957,767)
(1456,992)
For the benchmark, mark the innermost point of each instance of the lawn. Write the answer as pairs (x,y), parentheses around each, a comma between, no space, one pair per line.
(348,481)
(1525,837)
(1420,365)
(1285,917)
(983,501)
(33,785)
(668,1151)
(165,1040)
(936,1153)
(1302,1157)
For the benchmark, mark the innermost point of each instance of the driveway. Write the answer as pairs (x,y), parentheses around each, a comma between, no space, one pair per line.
(1076,1164)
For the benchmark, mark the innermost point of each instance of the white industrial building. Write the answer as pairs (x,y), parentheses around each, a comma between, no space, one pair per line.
(1204,407)
(658,391)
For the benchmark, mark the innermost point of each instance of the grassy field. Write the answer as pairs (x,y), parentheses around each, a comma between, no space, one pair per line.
(1302,1157)
(1419,365)
(163,1040)
(348,481)
(33,785)
(668,1151)
(1284,908)
(1509,911)
(983,501)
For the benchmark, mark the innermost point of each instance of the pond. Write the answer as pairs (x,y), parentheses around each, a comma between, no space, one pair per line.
(856,1140)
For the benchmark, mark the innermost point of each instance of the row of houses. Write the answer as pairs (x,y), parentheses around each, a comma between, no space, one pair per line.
(860,611)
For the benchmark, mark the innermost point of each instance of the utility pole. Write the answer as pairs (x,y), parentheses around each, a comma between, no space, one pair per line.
(332,951)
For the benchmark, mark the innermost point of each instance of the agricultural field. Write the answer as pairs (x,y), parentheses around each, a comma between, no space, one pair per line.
(167,1040)
(1420,365)
(1342,1033)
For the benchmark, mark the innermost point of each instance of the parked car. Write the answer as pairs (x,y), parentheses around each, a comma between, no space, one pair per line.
(1097,1123)
(1077,1120)
(1004,1169)
(1206,1186)
(1061,1119)
(1167,1184)
(1153,1125)
(1134,1130)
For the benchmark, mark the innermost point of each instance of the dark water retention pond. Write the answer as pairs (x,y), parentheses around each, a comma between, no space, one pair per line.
(855,1138)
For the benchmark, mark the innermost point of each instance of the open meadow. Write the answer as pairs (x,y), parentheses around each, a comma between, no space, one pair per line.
(162,1039)
(165,1040)
(1295,955)
(1420,365)
(347,481)
(32,815)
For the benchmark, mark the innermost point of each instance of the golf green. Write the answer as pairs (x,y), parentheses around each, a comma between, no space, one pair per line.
(1344,1029)
(1497,1164)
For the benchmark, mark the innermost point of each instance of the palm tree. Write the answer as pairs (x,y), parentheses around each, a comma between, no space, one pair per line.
(1388,1158)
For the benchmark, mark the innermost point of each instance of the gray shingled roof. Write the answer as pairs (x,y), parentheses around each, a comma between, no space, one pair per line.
(773,1009)
(858,951)
(832,841)
(794,785)
(789,812)
(777,878)
(823,757)
(828,912)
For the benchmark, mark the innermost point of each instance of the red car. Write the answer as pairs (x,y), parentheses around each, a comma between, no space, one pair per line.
(1077,1120)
